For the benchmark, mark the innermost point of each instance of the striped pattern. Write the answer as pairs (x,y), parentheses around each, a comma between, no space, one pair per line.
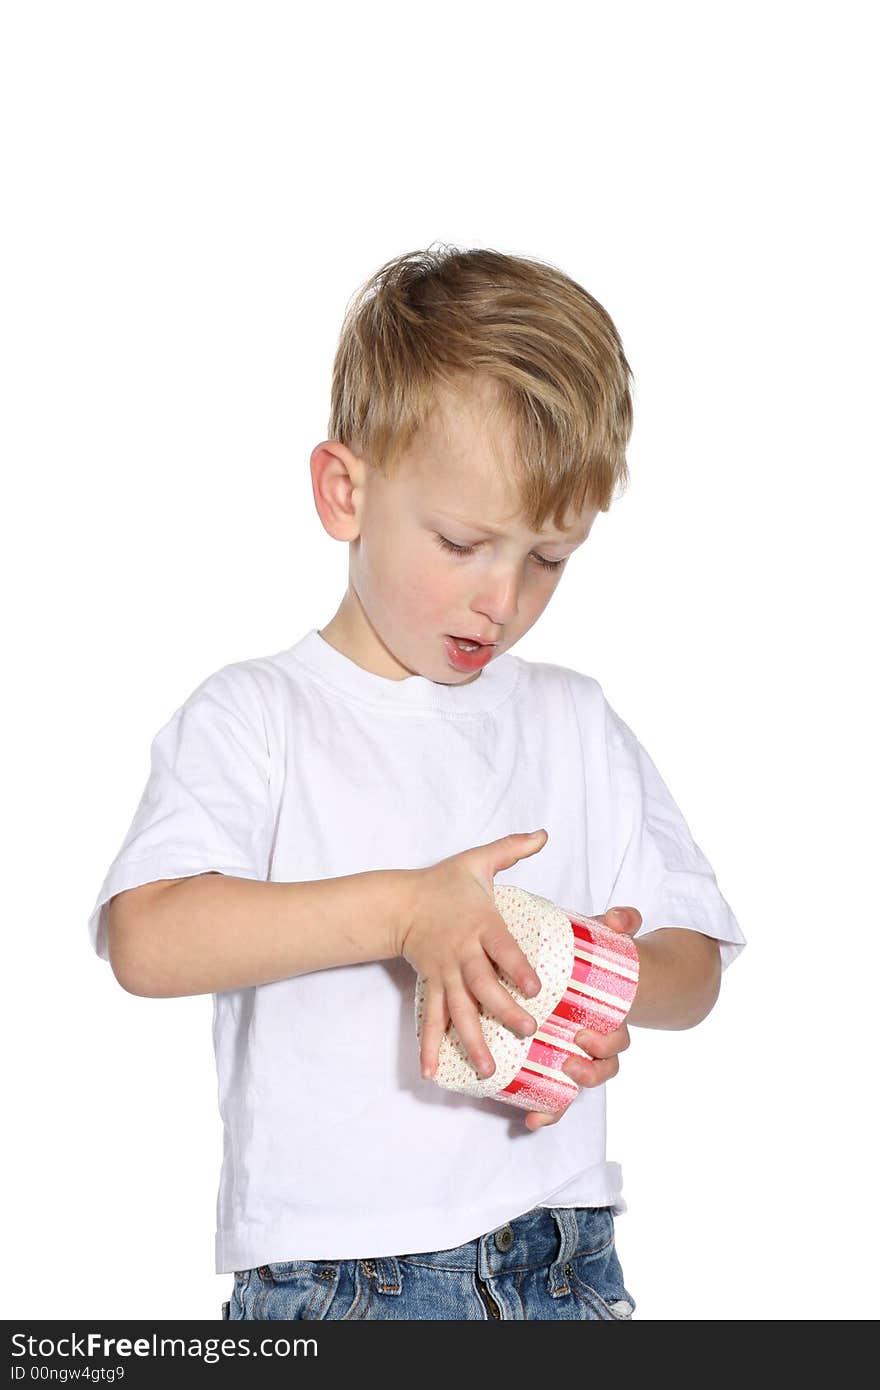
(588,975)
(599,996)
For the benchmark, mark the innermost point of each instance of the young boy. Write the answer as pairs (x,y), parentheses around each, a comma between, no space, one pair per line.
(322,823)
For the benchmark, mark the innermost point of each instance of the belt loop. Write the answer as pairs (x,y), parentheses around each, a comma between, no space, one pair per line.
(566,1220)
(388,1278)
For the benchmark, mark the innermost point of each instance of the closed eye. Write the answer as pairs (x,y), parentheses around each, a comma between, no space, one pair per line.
(454,549)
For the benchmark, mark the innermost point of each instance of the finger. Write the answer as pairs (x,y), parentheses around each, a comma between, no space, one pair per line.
(625,920)
(603,1044)
(503,948)
(465,1016)
(536,1119)
(539,1118)
(506,851)
(433,1027)
(484,984)
(586,1073)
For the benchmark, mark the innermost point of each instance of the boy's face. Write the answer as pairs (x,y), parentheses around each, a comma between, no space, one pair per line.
(407,594)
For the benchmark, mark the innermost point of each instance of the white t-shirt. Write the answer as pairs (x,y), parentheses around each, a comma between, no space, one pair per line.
(302,766)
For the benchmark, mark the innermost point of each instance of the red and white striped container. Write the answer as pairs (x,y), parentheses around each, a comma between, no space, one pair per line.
(588,975)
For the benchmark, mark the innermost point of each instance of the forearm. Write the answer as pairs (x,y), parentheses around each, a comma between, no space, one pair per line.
(679,978)
(213,932)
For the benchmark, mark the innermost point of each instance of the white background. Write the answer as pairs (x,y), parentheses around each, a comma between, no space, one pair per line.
(192,193)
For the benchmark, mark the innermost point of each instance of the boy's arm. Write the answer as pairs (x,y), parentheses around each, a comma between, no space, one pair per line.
(213,932)
(679,978)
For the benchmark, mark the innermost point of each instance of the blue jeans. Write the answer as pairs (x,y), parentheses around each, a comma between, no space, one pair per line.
(552,1262)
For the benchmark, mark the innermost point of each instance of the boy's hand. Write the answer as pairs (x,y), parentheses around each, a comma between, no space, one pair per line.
(603,1047)
(453,934)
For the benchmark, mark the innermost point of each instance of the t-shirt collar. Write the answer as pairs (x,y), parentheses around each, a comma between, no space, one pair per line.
(494,684)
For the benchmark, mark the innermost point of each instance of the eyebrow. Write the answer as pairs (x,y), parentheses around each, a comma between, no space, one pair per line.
(486,529)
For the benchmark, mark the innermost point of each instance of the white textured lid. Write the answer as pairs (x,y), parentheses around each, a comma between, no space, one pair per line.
(543,932)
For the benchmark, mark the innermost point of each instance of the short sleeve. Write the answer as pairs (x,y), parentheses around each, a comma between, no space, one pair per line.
(207,804)
(658,868)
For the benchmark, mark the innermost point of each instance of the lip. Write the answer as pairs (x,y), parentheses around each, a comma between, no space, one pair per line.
(468,661)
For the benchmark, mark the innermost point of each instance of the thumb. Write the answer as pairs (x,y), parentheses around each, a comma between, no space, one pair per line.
(510,848)
(624,920)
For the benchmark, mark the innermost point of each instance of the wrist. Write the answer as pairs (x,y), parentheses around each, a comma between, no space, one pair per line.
(404,885)
(679,978)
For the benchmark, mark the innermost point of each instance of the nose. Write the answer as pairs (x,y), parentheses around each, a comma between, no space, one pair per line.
(499,599)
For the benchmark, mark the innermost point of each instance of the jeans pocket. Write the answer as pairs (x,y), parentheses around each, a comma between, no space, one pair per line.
(594,1271)
(290,1290)
(606,1309)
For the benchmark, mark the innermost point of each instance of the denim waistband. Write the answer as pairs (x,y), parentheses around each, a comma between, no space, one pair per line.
(544,1236)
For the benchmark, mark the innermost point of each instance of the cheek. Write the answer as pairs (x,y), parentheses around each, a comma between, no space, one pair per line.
(541,592)
(429,593)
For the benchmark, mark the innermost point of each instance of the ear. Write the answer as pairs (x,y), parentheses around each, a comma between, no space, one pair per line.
(337,487)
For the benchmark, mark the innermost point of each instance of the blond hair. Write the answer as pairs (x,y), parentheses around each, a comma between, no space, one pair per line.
(442,318)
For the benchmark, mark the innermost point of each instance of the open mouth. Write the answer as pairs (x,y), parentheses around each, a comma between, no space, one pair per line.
(470,644)
(466,654)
